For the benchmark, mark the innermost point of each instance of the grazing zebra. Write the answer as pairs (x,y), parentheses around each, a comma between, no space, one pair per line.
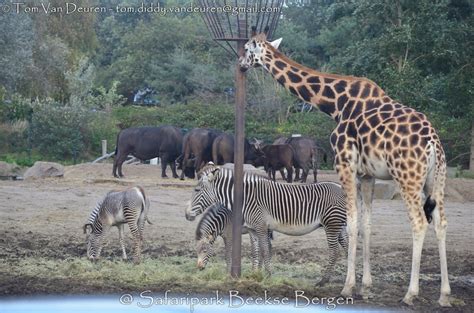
(217,221)
(290,209)
(117,208)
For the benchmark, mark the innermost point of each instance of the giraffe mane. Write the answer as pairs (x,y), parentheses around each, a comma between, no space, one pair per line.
(285,58)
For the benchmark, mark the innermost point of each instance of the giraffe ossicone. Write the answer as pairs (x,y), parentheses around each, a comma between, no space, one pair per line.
(375,137)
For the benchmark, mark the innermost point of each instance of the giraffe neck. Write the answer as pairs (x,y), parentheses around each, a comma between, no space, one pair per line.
(329,92)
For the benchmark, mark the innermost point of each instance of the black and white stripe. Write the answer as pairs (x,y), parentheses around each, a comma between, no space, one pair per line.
(118,208)
(217,221)
(292,209)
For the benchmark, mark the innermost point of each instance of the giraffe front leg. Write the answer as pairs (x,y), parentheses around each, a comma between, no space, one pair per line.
(347,175)
(367,194)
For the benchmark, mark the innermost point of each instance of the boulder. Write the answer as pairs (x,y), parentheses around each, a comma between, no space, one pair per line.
(44,169)
(386,190)
(247,168)
(10,170)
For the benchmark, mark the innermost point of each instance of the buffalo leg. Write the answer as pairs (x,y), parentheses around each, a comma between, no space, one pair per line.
(164,163)
(120,158)
(282,173)
(297,174)
(289,170)
(173,169)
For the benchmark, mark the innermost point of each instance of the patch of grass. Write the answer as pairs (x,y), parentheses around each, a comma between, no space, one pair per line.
(176,273)
(466,174)
(21,159)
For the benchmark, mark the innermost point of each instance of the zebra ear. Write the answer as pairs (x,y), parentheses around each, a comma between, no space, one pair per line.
(212,175)
(85,227)
(210,238)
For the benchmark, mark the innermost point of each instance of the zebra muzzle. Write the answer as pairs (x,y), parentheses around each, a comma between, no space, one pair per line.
(201,265)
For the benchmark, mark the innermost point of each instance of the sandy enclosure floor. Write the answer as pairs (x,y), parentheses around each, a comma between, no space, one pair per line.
(45,217)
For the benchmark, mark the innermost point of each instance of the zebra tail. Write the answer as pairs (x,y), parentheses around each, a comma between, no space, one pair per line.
(116,144)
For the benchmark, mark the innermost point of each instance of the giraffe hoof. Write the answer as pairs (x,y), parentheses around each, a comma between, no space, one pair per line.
(346,292)
(407,300)
(444,301)
(365,292)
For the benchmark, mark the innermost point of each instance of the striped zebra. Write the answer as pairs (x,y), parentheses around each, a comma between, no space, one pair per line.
(217,221)
(287,208)
(118,208)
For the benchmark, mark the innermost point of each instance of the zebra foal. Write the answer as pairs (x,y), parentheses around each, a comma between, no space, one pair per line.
(118,208)
(271,206)
(217,221)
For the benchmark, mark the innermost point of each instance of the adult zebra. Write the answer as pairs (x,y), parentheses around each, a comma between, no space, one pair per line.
(290,209)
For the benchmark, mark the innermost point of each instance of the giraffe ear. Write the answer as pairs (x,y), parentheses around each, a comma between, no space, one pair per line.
(254,31)
(276,43)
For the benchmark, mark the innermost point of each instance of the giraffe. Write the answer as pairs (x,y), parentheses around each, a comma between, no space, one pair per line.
(375,137)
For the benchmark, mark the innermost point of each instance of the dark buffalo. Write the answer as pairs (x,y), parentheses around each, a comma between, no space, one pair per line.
(277,157)
(282,141)
(305,156)
(223,150)
(198,144)
(146,143)
(187,169)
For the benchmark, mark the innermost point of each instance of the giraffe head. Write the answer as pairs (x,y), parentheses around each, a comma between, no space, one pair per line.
(255,49)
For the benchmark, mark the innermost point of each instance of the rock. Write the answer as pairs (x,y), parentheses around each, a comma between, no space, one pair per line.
(10,170)
(386,190)
(247,168)
(44,169)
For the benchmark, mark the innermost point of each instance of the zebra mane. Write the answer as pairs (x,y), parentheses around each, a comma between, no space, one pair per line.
(247,175)
(93,216)
(214,210)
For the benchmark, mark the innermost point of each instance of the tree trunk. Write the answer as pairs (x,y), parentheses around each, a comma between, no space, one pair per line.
(471,162)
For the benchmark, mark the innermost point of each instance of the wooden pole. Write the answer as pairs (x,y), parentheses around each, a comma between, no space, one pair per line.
(238,167)
(471,161)
(104,147)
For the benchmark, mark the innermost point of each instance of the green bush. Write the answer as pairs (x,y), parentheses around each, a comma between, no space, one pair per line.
(58,131)
(21,158)
(103,126)
(14,136)
(17,108)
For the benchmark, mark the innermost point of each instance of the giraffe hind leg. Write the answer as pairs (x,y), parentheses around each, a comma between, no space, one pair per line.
(440,225)
(411,193)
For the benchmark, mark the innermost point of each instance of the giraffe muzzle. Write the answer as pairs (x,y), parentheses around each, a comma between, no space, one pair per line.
(243,65)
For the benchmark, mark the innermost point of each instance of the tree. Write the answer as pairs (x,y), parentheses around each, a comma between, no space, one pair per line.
(16,50)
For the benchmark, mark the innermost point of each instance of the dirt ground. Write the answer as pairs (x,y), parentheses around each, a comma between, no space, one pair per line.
(44,218)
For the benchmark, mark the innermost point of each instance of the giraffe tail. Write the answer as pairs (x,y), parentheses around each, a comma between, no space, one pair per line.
(435,191)
(429,207)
